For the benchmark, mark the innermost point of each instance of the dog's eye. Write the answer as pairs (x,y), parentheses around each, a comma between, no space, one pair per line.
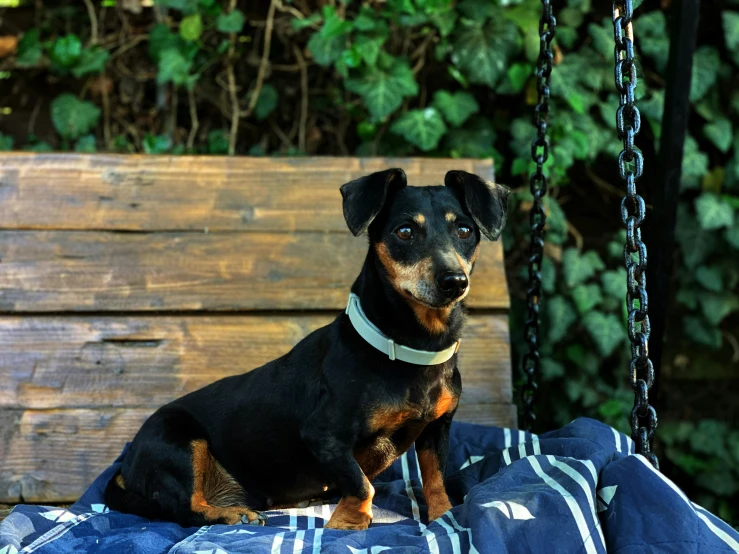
(464,232)
(404,232)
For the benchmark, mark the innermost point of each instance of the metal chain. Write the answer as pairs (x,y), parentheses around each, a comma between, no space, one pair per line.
(631,164)
(537,218)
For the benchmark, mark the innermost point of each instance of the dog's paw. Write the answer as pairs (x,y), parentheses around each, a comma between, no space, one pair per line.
(252,517)
(359,522)
(438,506)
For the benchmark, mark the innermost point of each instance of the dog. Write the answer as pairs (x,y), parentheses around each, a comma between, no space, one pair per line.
(330,415)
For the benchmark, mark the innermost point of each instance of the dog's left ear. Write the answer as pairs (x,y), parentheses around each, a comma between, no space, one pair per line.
(365,197)
(485,201)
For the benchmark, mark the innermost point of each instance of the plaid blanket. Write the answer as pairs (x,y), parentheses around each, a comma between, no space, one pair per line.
(577,489)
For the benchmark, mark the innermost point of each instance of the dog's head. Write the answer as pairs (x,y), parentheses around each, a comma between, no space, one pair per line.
(426,238)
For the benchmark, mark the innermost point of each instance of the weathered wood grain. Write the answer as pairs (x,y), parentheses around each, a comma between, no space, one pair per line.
(99,362)
(54,455)
(161,235)
(154,193)
(102,271)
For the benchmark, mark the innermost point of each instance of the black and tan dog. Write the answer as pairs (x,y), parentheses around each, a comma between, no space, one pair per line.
(326,418)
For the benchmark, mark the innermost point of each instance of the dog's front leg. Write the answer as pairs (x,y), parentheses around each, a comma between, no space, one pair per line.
(432,447)
(334,449)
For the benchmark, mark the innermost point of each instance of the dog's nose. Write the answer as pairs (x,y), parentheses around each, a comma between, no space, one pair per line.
(452,284)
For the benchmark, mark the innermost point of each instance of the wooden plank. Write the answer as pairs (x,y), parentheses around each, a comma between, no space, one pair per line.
(154,193)
(52,456)
(98,362)
(74,271)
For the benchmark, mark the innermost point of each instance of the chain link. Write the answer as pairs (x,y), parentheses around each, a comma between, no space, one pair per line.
(537,218)
(631,164)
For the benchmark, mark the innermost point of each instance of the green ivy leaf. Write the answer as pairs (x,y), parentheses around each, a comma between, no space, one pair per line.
(366,20)
(73,117)
(559,315)
(327,45)
(607,331)
(732,236)
(383,91)
(615,247)
(569,17)
(614,283)
(688,297)
(575,78)
(556,221)
(423,128)
(731,33)
(566,36)
(580,267)
(6,143)
(478,10)
(218,142)
(191,27)
(548,275)
(716,307)
(482,51)
(586,297)
(695,243)
(613,410)
(710,278)
(473,141)
(369,48)
(720,134)
(92,60)
(457,107)
(586,361)
(654,39)
(713,212)
(325,51)
(551,369)
(445,22)
(580,5)
(602,37)
(156,144)
(522,132)
(267,102)
(41,146)
(298,24)
(30,51)
(174,68)
(86,144)
(333,25)
(184,6)
(700,332)
(706,62)
(65,51)
(694,166)
(233,22)
(162,38)
(518,75)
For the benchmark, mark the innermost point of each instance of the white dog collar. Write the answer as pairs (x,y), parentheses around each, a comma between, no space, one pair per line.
(369,332)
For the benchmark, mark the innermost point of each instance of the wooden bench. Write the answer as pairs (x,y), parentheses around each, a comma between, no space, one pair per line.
(127,281)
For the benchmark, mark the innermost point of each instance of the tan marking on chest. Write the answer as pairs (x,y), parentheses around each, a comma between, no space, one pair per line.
(445,403)
(390,418)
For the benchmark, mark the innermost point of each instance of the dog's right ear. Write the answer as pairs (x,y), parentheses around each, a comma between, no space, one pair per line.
(365,197)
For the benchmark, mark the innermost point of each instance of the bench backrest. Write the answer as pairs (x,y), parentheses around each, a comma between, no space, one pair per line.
(127,281)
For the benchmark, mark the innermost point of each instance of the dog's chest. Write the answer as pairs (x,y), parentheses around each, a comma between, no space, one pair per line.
(394,426)
(389,417)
